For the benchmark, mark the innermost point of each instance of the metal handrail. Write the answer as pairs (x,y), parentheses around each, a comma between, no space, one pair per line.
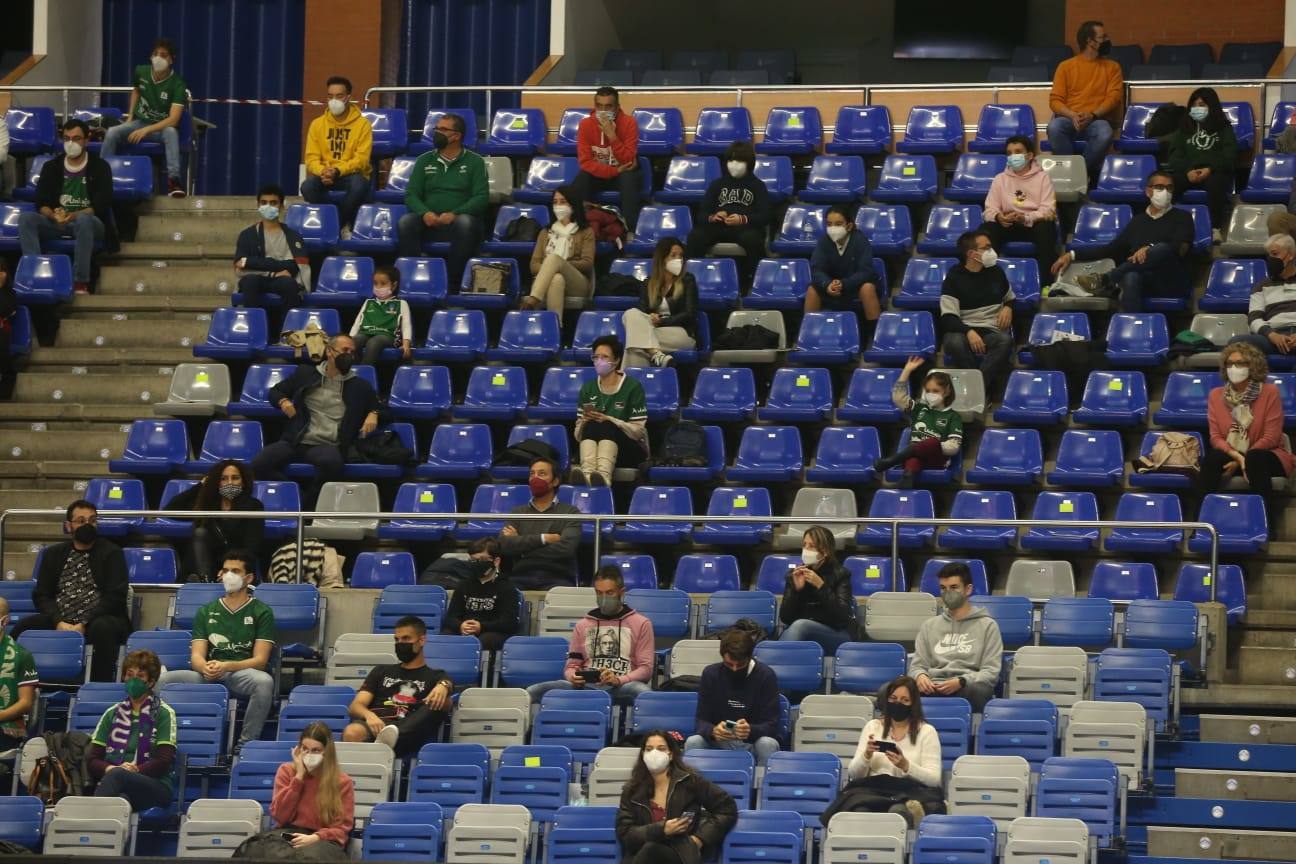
(894,524)
(65,89)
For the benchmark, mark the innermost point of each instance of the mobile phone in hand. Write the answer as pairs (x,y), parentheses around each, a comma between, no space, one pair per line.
(886,746)
(591,676)
(730,725)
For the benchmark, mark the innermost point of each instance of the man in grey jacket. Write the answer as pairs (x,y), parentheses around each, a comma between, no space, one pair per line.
(542,552)
(960,651)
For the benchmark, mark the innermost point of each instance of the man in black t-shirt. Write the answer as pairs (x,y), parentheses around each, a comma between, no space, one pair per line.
(403,704)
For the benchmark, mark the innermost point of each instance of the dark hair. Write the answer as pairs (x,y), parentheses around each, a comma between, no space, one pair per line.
(145,661)
(610,573)
(168,46)
(1085,33)
(640,785)
(612,343)
(1215,120)
(916,718)
(1160,172)
(74,123)
(209,489)
(1022,140)
(80,504)
(741,151)
(843,210)
(489,545)
(457,121)
(271,189)
(392,274)
(338,79)
(823,540)
(967,242)
(943,379)
(572,194)
(414,622)
(244,557)
(737,644)
(955,568)
(553,466)
(607,90)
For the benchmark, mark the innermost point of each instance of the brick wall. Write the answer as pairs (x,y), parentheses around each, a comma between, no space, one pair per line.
(1175,22)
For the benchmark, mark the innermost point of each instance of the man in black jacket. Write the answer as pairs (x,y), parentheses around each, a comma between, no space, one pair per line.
(270,258)
(81,586)
(73,199)
(328,406)
(485,604)
(738,702)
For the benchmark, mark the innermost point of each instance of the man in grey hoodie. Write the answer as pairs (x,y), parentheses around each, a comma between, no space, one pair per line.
(960,651)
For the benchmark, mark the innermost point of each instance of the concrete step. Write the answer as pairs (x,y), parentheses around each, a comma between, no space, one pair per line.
(131,333)
(1268,638)
(1270,619)
(165,206)
(190,278)
(1231,696)
(139,389)
(1235,785)
(102,442)
(19,562)
(189,228)
(171,251)
(29,472)
(1266,666)
(24,529)
(1218,843)
(1232,729)
(124,357)
(41,412)
(159,304)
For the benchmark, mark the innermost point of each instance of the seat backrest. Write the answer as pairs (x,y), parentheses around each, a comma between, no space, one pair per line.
(896,616)
(1041,579)
(993,786)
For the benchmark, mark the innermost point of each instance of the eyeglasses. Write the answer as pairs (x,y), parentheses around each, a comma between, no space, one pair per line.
(1162,187)
(85,520)
(446,131)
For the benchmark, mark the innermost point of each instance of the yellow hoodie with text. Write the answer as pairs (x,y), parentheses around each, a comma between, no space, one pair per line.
(344,143)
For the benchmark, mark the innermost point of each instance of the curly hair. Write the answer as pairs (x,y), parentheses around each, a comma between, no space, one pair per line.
(1256,360)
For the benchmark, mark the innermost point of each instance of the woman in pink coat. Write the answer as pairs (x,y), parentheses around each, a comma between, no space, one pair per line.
(1246,425)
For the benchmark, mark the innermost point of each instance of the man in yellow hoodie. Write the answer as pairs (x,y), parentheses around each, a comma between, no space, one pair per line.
(339,144)
(1086,99)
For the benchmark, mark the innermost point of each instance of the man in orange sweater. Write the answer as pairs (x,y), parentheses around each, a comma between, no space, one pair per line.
(1086,99)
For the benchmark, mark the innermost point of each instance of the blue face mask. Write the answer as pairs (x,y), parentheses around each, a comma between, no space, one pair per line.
(1198,112)
(1017,161)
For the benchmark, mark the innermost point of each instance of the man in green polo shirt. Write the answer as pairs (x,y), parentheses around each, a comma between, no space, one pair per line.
(446,197)
(156,104)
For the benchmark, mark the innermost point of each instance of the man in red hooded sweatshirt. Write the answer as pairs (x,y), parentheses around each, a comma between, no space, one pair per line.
(607,147)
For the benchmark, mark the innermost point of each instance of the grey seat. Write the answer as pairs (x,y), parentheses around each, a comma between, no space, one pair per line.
(896,616)
(342,497)
(489,834)
(1115,731)
(499,178)
(1219,330)
(89,825)
(771,319)
(1032,839)
(197,390)
(370,766)
(1249,229)
(691,656)
(969,393)
(993,786)
(878,838)
(1069,174)
(812,502)
(1074,270)
(1057,673)
(612,767)
(1040,580)
(492,716)
(831,724)
(214,827)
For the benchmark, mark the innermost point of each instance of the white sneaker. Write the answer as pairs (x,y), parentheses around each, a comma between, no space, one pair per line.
(661,358)
(388,736)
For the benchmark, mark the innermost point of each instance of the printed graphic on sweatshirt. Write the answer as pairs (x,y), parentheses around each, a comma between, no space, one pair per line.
(608,648)
(479,604)
(739,195)
(603,153)
(337,139)
(1203,140)
(955,645)
(406,696)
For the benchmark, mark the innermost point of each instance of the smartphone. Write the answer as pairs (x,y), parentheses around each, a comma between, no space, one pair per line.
(288,835)
(691,815)
(730,725)
(886,746)
(591,676)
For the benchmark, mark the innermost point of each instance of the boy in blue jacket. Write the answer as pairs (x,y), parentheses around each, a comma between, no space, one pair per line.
(738,702)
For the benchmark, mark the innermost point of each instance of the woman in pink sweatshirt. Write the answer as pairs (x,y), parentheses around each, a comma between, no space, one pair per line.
(1021,206)
(1246,425)
(313,799)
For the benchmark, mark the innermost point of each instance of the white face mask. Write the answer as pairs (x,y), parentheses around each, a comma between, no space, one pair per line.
(232,581)
(1238,374)
(1160,199)
(160,64)
(312,760)
(268,212)
(809,557)
(73,149)
(656,761)
(562,212)
(933,399)
(989,258)
(675,266)
(836,233)
(737,169)
(1199,112)
(337,106)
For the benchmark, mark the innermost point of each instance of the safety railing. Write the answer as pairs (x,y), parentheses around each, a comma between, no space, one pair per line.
(893,525)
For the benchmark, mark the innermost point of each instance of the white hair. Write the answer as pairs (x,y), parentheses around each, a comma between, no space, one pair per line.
(1280,243)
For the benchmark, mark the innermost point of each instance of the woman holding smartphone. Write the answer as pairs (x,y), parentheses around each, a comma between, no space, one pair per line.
(612,420)
(669,813)
(314,801)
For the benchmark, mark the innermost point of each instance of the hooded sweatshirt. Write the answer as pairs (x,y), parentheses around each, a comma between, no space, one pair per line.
(752,696)
(622,642)
(493,604)
(1202,148)
(970,648)
(739,196)
(344,143)
(1029,192)
(600,157)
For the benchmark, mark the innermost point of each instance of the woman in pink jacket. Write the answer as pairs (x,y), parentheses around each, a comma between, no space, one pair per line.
(1246,425)
(1021,206)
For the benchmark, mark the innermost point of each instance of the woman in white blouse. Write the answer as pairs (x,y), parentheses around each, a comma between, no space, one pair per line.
(897,766)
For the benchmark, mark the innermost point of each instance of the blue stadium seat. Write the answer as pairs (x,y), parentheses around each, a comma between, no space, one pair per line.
(1138,339)
(929,582)
(560,390)
(772,574)
(595,501)
(324,318)
(637,571)
(1113,399)
(973,175)
(661,131)
(1088,459)
(390,131)
(552,434)
(780,283)
(1047,55)
(10,212)
(864,130)
(393,192)
(767,454)
(344,281)
(703,61)
(895,503)
(779,63)
(420,498)
(515,132)
(715,462)
(1019,727)
(834,179)
(1045,324)
(657,501)
(1123,179)
(799,665)
(1242,117)
(870,575)
(419,393)
(316,223)
(449,786)
(1264,53)
(398,830)
(1278,121)
(497,245)
(458,451)
(541,790)
(1024,279)
(544,175)
(277,496)
(471,134)
(717,128)
(1271,179)
(491,498)
(1286,384)
(846,455)
(1063,506)
(467,299)
(152,447)
(582,731)
(1098,224)
(528,660)
(792,131)
(1140,675)
(927,476)
(22,822)
(945,222)
(31,131)
(189,598)
(234,334)
(1147,507)
(887,227)
(1229,284)
(42,280)
(864,667)
(151,566)
(568,128)
(1034,397)
(920,288)
(132,177)
(1195,55)
(1085,622)
(527,337)
(975,504)
(656,223)
(998,123)
(661,390)
(800,231)
(1183,403)
(669,711)
(164,527)
(1159,479)
(1193,584)
(906,179)
(494,393)
(1008,457)
(830,338)
(1241,521)
(454,336)
(59,654)
(723,394)
(776,173)
(901,335)
(1014,615)
(724,608)
(667,608)
(717,281)
(932,129)
(635,61)
(380,569)
(687,179)
(1124,580)
(951,717)
(254,401)
(374,231)
(868,397)
(1084,789)
(1201,244)
(227,439)
(1133,136)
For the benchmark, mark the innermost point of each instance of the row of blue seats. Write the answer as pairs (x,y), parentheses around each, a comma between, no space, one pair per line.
(35,131)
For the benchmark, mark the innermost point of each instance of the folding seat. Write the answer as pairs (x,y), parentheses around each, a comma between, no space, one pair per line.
(1169,625)
(703,61)
(1014,615)
(868,397)
(420,392)
(1113,399)
(293,719)
(799,665)
(657,501)
(277,496)
(801,229)
(1023,277)
(568,129)
(973,175)
(780,283)
(1183,403)
(970,504)
(527,337)
(661,131)
(901,335)
(895,503)
(151,566)
(1218,330)
(152,447)
(227,439)
(952,719)
(538,210)
(1240,520)
(467,299)
(592,501)
(491,498)
(773,572)
(1123,178)
(1084,622)
(213,826)
(704,574)
(544,175)
(1133,136)
(725,607)
(1063,506)
(864,667)
(316,223)
(1040,579)
(404,433)
(1271,179)
(527,660)
(1098,224)
(1248,229)
(234,334)
(88,825)
(737,501)
(921,286)
(1048,327)
(1040,839)
(1121,580)
(715,462)
(808,793)
(664,710)
(1165,480)
(494,393)
(374,232)
(864,130)
(845,454)
(345,498)
(792,131)
(658,222)
(427,602)
(1264,53)
(254,401)
(502,830)
(777,841)
(1084,789)
(398,174)
(896,616)
(1034,397)
(871,575)
(171,646)
(454,336)
(779,63)
(324,318)
(887,227)
(1116,731)
(59,654)
(687,179)
(929,582)
(132,178)
(1195,55)
(1069,174)
(993,786)
(998,123)
(401,830)
(1279,119)
(906,179)
(31,130)
(812,503)
(667,608)
(1147,507)
(835,179)
(515,132)
(344,281)
(771,320)
(798,395)
(1201,245)
(635,61)
(717,128)
(932,129)
(18,593)
(560,389)
(717,281)
(637,571)
(42,280)
(723,394)
(926,476)
(1008,457)
(447,786)
(459,451)
(1019,727)
(1194,585)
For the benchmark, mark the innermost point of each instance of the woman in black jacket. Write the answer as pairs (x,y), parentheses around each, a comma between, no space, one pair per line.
(226,486)
(818,605)
(666,318)
(669,813)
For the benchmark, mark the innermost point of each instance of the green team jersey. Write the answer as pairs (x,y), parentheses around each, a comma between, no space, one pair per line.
(75,196)
(164,733)
(157,97)
(232,634)
(17,669)
(380,316)
(941,423)
(628,403)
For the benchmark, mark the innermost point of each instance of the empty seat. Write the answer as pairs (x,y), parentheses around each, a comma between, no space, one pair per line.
(970,504)
(421,498)
(1183,403)
(656,223)
(864,130)
(1113,399)
(901,335)
(845,454)
(154,566)
(717,128)
(717,281)
(1169,625)
(929,583)
(1240,520)
(801,229)
(153,447)
(813,503)
(715,461)
(1002,74)
(920,288)
(1119,580)
(1098,224)
(1147,507)
(870,575)
(906,179)
(896,616)
(458,451)
(944,225)
(454,336)
(1032,838)
(1116,731)
(868,397)
(1194,56)
(1133,136)
(1160,72)
(892,503)
(316,223)
(234,334)
(737,501)
(973,175)
(723,395)
(227,439)
(687,179)
(998,123)
(792,131)
(494,393)
(1069,174)
(527,337)
(864,667)
(932,129)
(834,179)
(420,392)
(779,64)
(1086,622)
(767,454)
(1271,179)
(1040,579)
(1034,398)
(661,501)
(1064,507)
(345,498)
(831,338)
(994,786)
(776,173)
(1019,727)
(1193,584)
(780,283)
(1138,339)
(887,227)
(1248,229)
(1008,457)
(799,665)
(560,389)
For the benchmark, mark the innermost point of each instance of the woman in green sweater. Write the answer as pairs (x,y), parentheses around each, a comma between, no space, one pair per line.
(612,421)
(1203,154)
(936,429)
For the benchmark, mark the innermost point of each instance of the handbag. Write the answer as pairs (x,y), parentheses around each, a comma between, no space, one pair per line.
(488,277)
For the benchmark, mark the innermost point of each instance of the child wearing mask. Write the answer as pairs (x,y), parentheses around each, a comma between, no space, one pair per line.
(842,273)
(736,209)
(485,604)
(381,317)
(935,431)
(313,799)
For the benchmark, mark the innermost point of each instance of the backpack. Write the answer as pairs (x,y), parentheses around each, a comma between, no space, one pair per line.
(619,285)
(1165,120)
(683,446)
(608,225)
(1173,453)
(523,229)
(381,448)
(49,780)
(271,846)
(523,453)
(747,337)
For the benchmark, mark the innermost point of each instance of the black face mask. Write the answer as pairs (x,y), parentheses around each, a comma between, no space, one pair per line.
(406,651)
(85,534)
(1104,48)
(481,569)
(440,141)
(343,362)
(898,712)
(1276,266)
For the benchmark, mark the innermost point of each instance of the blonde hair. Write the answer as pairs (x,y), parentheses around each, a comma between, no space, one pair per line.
(328,794)
(1258,362)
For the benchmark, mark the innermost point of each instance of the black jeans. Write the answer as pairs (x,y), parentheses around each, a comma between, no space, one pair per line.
(627,183)
(418,728)
(752,240)
(1219,195)
(1262,468)
(105,634)
(1043,234)
(142,792)
(326,458)
(672,850)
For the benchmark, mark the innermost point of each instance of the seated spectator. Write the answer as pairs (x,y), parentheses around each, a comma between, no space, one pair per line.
(976,312)
(1284,221)
(818,605)
(1151,251)
(612,647)
(19,683)
(314,799)
(935,430)
(270,258)
(81,586)
(1021,206)
(384,320)
(541,553)
(8,311)
(666,318)
(607,148)
(612,421)
(670,813)
(73,200)
(226,487)
(485,604)
(562,262)
(156,105)
(736,209)
(959,652)
(1203,155)
(841,271)
(328,407)
(402,705)
(233,637)
(1086,99)
(132,752)
(1270,312)
(339,145)
(897,766)
(738,702)
(1245,416)
(446,196)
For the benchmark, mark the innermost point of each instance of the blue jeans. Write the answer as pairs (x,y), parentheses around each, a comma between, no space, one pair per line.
(806,630)
(85,230)
(115,140)
(464,235)
(354,188)
(1097,137)
(254,685)
(1262,343)
(1162,268)
(623,695)
(764,748)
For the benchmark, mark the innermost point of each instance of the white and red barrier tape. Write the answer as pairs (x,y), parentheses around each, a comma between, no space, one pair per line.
(291,103)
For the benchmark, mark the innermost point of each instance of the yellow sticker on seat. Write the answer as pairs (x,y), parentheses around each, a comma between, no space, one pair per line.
(115,492)
(531,762)
(498,380)
(1115,384)
(1066,507)
(426,497)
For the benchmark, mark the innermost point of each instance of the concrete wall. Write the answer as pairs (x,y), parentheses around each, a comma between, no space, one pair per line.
(70,35)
